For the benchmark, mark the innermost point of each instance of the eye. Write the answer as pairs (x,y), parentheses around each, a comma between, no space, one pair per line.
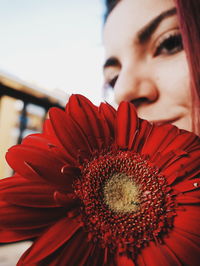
(169,45)
(111,83)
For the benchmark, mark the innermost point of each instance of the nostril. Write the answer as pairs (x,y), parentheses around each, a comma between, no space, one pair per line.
(139,101)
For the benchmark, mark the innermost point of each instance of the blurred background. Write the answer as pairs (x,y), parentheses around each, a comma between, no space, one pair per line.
(49,50)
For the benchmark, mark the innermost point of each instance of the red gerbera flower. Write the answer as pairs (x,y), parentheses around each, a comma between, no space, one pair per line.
(103,187)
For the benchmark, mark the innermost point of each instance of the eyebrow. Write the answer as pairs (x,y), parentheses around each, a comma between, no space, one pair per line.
(112,61)
(145,33)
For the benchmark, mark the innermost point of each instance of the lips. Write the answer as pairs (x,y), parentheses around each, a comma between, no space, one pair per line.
(164,121)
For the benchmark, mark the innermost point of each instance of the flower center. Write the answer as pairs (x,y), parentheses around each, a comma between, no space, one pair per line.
(126,202)
(121,194)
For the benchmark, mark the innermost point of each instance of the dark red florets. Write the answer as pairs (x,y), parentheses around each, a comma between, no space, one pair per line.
(147,219)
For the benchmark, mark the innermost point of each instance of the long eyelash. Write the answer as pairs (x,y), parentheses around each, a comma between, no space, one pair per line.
(172,37)
(111,83)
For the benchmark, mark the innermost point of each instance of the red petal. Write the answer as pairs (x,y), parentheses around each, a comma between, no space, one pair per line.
(188,185)
(158,254)
(144,130)
(187,200)
(108,113)
(41,141)
(33,163)
(192,237)
(126,126)
(21,191)
(7,236)
(38,140)
(164,160)
(184,141)
(167,255)
(171,257)
(188,220)
(48,129)
(77,251)
(183,167)
(66,200)
(124,260)
(55,237)
(185,249)
(22,218)
(69,133)
(77,101)
(148,256)
(140,260)
(18,164)
(49,132)
(193,193)
(86,115)
(97,256)
(159,139)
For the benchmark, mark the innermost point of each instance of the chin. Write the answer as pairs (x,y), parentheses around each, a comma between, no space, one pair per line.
(183,123)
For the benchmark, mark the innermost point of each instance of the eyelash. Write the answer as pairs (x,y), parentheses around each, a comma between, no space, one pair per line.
(170,45)
(110,84)
(167,46)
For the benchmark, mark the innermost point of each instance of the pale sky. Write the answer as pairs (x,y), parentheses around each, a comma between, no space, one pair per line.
(54,44)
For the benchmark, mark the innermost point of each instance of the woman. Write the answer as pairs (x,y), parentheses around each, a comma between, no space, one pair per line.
(146,62)
(146,65)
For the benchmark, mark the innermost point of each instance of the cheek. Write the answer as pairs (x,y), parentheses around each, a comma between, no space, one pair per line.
(172,79)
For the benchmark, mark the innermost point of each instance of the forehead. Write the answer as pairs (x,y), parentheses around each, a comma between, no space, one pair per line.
(128,17)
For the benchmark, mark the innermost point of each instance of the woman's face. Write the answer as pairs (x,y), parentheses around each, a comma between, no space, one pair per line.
(145,61)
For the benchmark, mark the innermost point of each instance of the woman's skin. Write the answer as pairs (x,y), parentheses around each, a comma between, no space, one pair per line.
(145,61)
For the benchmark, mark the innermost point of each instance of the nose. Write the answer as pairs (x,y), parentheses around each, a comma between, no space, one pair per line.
(136,86)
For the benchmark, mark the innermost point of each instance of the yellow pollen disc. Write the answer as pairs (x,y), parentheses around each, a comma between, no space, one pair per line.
(121,194)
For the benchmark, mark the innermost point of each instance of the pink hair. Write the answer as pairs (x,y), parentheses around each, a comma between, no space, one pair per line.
(189,14)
